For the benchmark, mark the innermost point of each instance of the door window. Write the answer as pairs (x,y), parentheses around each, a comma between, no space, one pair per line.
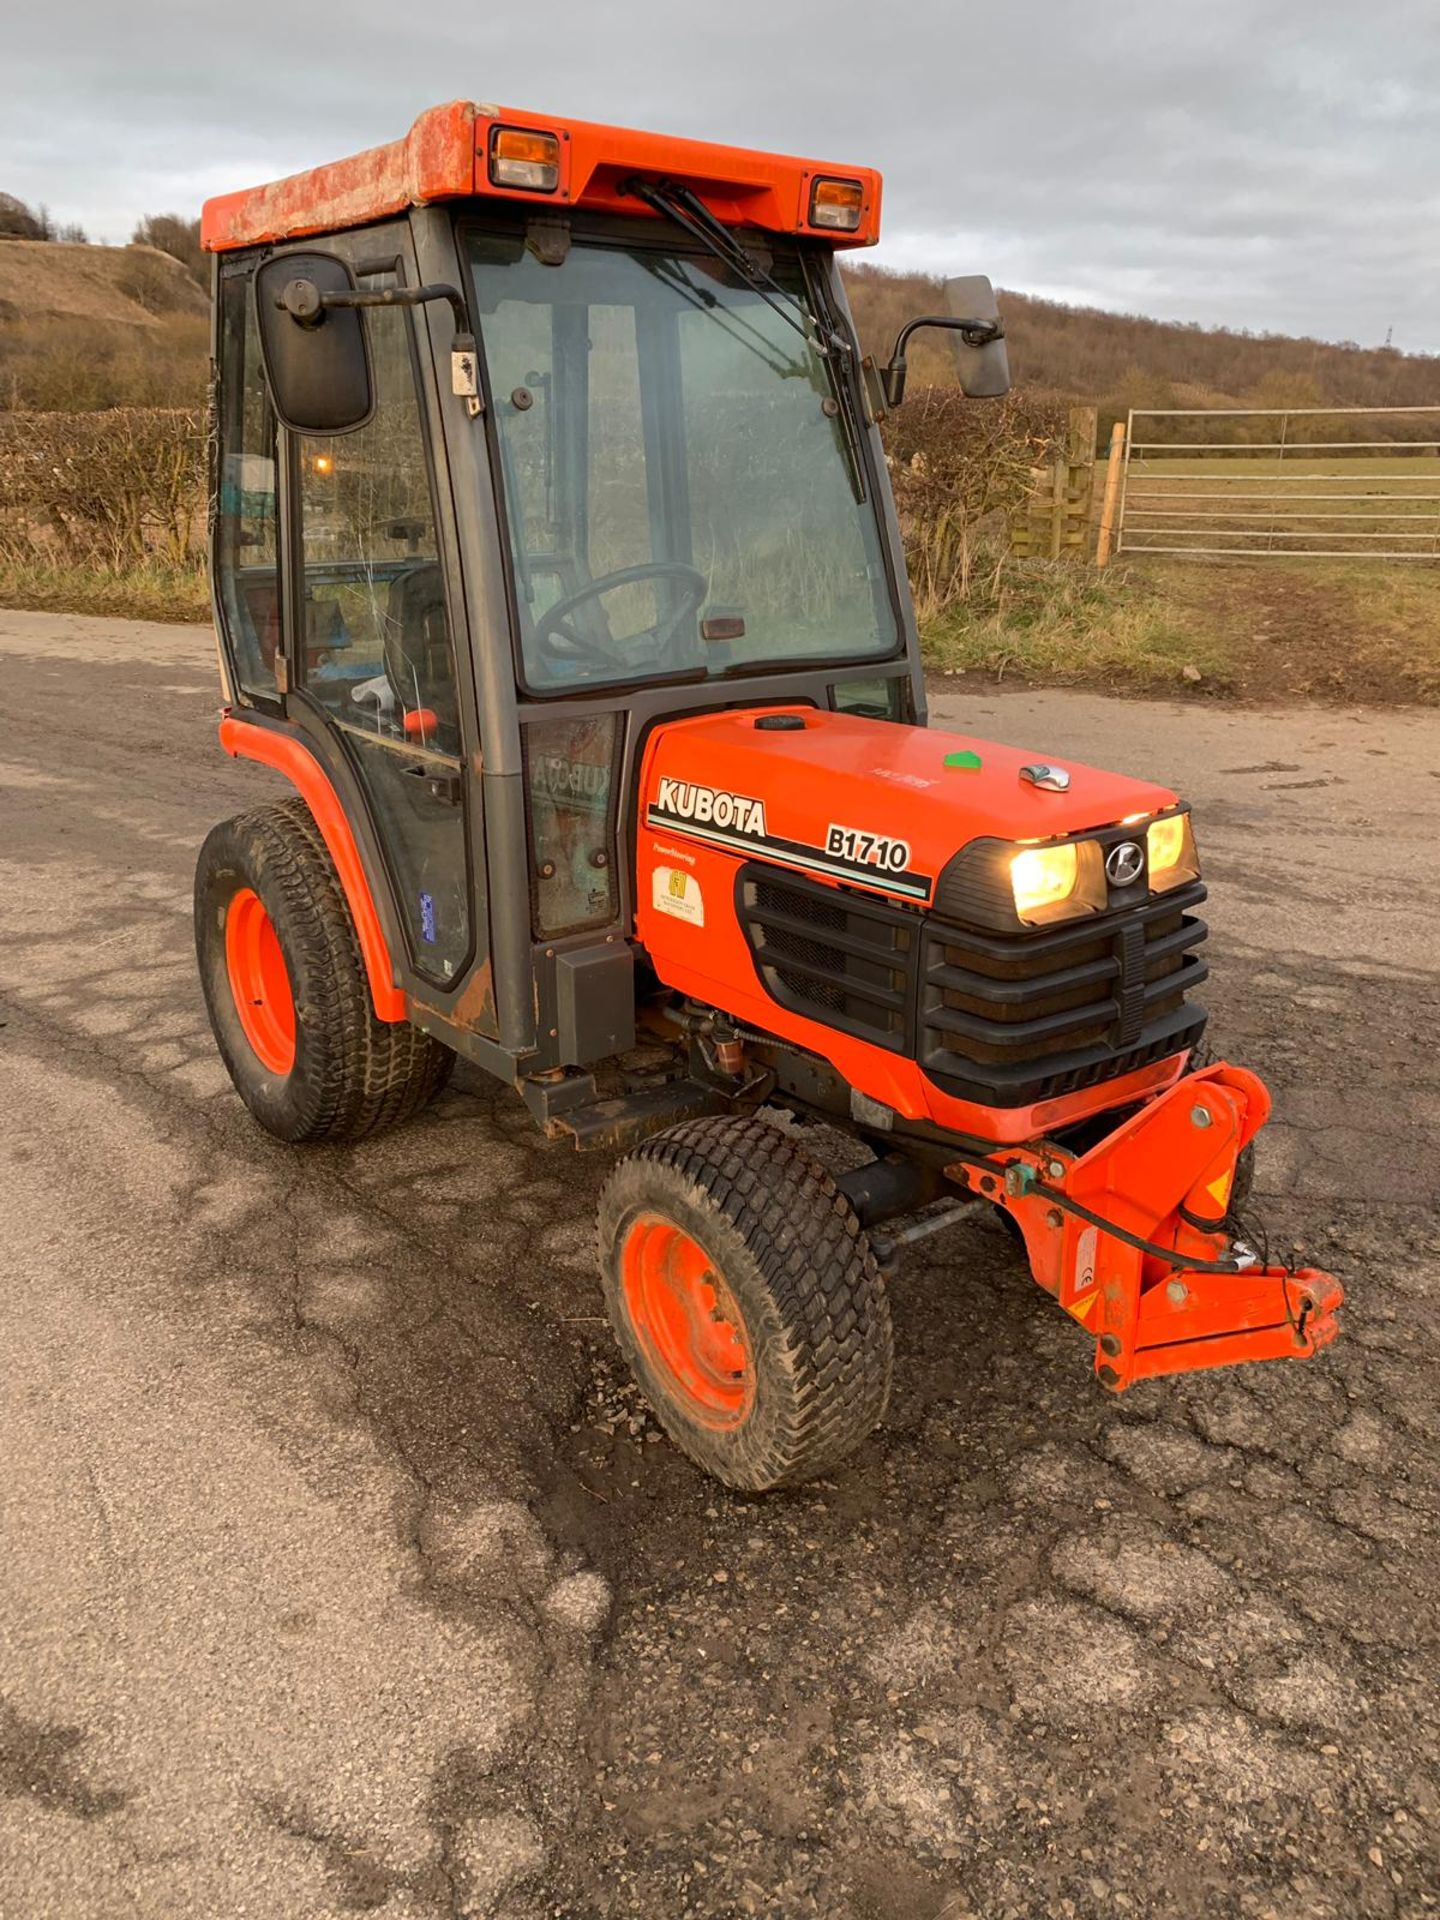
(374,642)
(246,567)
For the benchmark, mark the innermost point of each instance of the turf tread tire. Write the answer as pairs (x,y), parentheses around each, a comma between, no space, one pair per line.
(354,1074)
(800,1267)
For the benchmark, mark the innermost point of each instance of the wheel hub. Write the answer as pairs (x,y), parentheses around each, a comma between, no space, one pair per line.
(260,982)
(686,1319)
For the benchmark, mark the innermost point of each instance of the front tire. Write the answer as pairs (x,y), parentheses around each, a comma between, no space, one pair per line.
(746,1299)
(286,989)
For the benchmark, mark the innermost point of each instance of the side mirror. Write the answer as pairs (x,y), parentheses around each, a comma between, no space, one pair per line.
(317,359)
(983,365)
(980,357)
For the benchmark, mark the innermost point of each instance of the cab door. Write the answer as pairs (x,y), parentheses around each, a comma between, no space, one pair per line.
(372,625)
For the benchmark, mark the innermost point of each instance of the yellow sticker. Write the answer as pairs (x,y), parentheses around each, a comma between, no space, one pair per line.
(677,893)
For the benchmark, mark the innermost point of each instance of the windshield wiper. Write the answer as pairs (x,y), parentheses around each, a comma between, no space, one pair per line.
(667,269)
(686,210)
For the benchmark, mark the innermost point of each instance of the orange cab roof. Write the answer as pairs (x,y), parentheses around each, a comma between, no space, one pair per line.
(444,157)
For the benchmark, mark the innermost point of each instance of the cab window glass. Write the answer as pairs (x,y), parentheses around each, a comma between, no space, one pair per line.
(246,563)
(571,779)
(877,699)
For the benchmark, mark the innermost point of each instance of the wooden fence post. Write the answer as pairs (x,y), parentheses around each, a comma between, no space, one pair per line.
(1058,490)
(1112,494)
(1054,520)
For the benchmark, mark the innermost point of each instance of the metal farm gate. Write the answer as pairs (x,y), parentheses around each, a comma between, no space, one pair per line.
(1316,482)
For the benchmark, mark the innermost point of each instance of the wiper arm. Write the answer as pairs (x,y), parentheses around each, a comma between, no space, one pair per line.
(688,211)
(703,301)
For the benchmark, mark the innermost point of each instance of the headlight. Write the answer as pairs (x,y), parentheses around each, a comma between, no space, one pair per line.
(1057,883)
(1043,877)
(1170,852)
(1005,886)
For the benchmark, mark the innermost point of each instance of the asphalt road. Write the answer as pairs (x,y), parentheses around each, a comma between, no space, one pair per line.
(341,1570)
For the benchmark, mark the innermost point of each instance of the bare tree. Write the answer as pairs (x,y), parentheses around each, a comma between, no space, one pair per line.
(169,233)
(17,222)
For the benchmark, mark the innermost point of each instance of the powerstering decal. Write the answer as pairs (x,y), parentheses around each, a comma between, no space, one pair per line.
(735,820)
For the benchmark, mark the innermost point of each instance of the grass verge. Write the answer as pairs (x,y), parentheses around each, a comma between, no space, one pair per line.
(1260,629)
(144,593)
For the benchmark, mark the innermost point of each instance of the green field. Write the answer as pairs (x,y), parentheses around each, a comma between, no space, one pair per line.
(1294,502)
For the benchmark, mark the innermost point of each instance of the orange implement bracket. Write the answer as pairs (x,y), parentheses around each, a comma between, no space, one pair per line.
(286,755)
(1163,1176)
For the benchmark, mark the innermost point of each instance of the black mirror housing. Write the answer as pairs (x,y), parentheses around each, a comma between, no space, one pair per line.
(317,357)
(984,368)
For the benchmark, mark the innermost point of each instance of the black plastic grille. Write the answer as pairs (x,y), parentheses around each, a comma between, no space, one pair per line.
(1013,1019)
(824,953)
(1000,1019)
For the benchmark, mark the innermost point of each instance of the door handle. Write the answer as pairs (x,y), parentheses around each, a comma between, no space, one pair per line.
(444,785)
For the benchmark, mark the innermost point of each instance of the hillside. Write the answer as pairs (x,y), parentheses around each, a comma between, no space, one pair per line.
(1115,360)
(84,327)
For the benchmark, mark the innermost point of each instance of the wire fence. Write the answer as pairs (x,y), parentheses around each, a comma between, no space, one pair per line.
(1311,482)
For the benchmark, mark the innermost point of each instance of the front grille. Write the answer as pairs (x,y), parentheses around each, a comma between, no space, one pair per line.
(848,962)
(1012,1019)
(1000,1019)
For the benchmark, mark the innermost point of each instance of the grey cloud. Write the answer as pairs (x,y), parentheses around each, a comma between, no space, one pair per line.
(1262,163)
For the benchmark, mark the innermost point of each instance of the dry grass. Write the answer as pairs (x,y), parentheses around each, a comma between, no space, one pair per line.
(90,327)
(1258,629)
(148,592)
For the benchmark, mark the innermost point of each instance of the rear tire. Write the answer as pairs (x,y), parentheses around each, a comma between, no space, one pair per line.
(286,989)
(746,1299)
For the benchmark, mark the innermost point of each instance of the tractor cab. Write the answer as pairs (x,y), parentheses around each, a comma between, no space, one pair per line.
(555,565)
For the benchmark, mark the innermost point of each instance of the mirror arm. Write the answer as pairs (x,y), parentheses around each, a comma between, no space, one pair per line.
(305,303)
(975,333)
(307,306)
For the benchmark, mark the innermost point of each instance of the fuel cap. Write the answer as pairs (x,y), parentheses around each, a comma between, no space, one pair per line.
(780,723)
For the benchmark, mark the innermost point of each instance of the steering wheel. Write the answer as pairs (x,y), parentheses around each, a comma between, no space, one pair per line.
(555,636)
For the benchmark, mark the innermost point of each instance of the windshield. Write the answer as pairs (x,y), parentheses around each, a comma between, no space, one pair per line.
(682,493)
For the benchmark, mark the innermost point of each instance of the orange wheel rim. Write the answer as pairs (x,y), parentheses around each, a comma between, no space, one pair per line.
(260,982)
(686,1321)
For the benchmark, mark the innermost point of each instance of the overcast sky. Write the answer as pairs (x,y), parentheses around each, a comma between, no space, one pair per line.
(1271,164)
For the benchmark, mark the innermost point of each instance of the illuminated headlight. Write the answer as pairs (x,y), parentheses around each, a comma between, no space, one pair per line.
(522,158)
(837,204)
(1057,883)
(1170,852)
(1043,877)
(1008,885)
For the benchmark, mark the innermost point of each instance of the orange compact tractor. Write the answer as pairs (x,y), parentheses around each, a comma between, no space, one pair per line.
(555,566)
